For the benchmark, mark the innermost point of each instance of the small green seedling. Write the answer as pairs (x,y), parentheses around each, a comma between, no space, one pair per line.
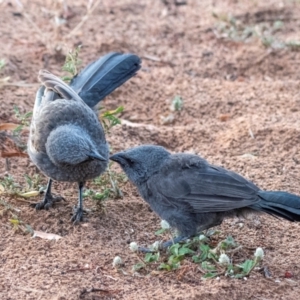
(72,64)
(34,182)
(212,260)
(109,118)
(2,64)
(106,186)
(177,104)
(9,185)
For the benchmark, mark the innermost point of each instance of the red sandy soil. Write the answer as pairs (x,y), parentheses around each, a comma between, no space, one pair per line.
(241,111)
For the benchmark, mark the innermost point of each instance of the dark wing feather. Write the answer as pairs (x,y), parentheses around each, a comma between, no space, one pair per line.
(104,75)
(203,187)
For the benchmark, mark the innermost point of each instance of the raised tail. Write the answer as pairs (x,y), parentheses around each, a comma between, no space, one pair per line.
(104,75)
(280,204)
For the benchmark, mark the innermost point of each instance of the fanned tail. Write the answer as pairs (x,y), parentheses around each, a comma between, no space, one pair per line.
(104,75)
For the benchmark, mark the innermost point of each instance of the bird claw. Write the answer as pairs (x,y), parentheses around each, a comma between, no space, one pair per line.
(77,216)
(47,202)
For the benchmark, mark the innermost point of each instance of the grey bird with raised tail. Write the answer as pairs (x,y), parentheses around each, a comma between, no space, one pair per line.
(193,195)
(67,141)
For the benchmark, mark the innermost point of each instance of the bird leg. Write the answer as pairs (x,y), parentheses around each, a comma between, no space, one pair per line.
(48,200)
(78,211)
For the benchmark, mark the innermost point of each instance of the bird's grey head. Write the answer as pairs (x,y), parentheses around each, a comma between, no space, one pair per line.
(69,145)
(140,163)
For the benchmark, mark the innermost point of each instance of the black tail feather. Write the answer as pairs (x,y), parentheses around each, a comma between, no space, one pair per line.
(280,204)
(104,75)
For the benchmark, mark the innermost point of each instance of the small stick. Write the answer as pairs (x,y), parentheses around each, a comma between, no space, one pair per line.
(91,290)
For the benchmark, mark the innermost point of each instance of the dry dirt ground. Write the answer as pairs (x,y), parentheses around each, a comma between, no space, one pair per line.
(236,66)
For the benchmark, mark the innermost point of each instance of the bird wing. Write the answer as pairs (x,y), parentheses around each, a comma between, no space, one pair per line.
(55,103)
(104,75)
(52,88)
(202,187)
(55,84)
(38,99)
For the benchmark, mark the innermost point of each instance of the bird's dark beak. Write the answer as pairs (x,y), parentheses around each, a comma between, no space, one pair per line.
(96,155)
(116,157)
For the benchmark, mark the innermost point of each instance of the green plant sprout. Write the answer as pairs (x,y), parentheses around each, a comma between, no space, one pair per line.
(8,186)
(213,261)
(14,219)
(177,104)
(71,64)
(2,64)
(24,119)
(109,118)
(105,186)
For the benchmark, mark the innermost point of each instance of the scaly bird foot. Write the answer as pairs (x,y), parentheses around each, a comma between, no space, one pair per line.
(47,202)
(78,215)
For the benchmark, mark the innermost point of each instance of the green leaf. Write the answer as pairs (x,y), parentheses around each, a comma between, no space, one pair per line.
(2,64)
(164,266)
(28,114)
(177,103)
(208,266)
(204,252)
(174,249)
(228,243)
(138,266)
(196,259)
(72,62)
(212,255)
(185,250)
(28,181)
(18,129)
(169,266)
(240,275)
(150,257)
(210,275)
(175,259)
(109,119)
(175,266)
(247,266)
(16,111)
(230,269)
(101,196)
(160,231)
(88,193)
(66,78)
